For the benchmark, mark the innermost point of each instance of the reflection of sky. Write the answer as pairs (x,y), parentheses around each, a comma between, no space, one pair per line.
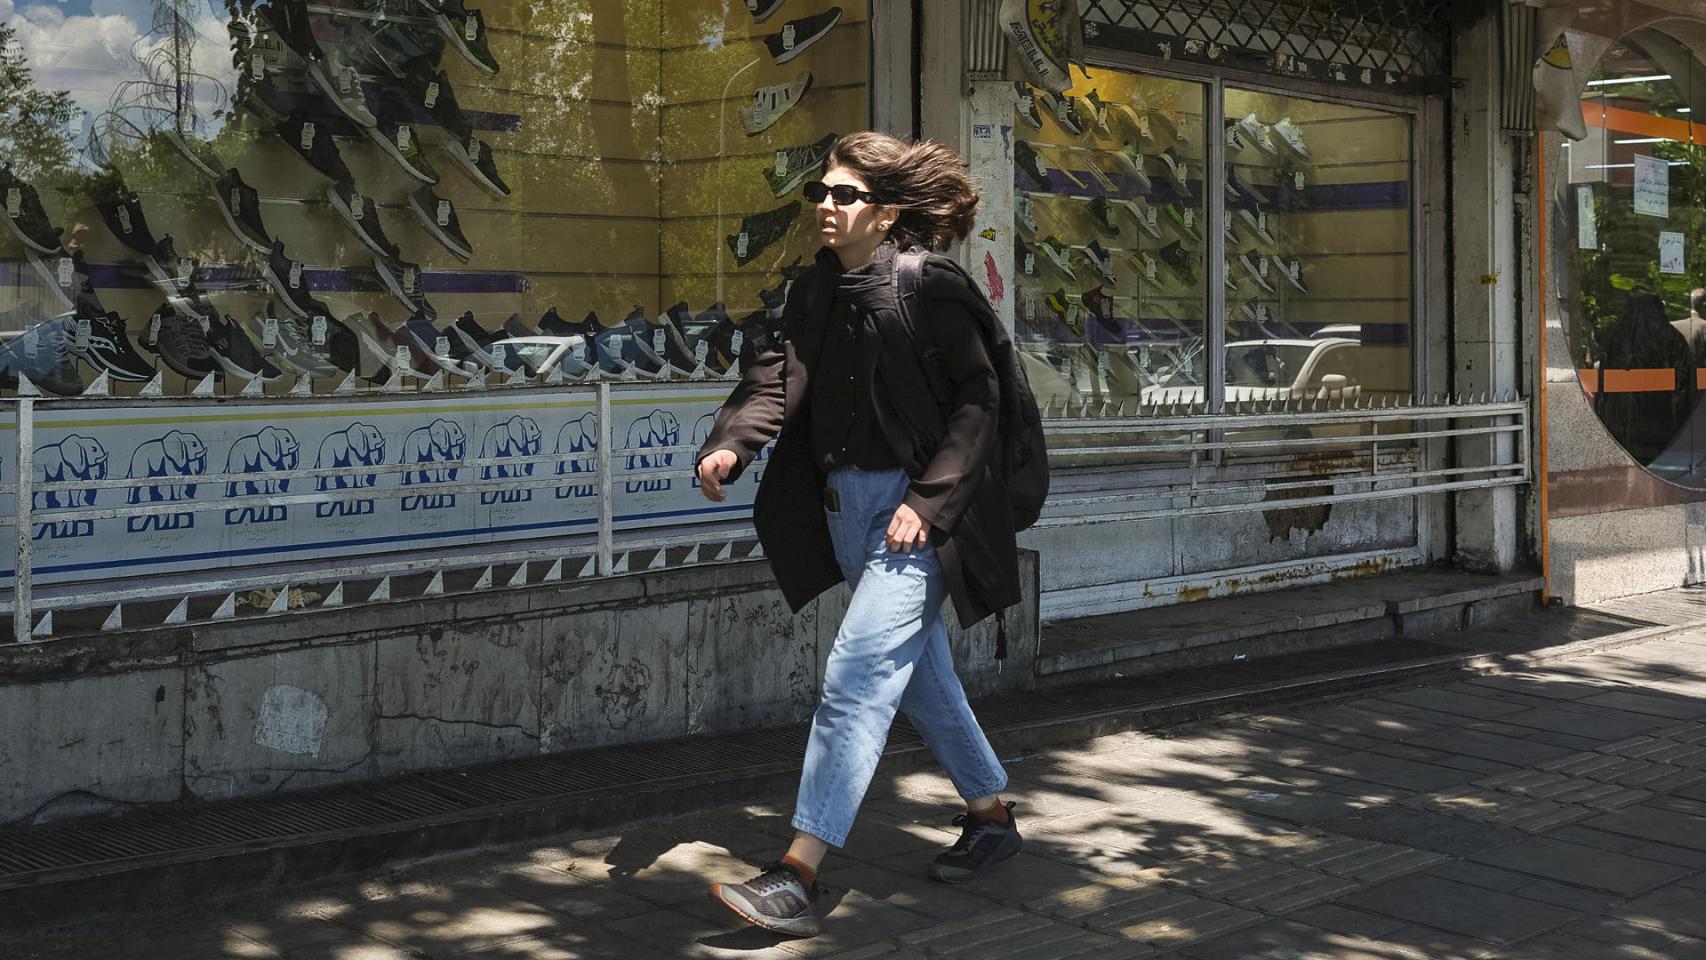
(89,47)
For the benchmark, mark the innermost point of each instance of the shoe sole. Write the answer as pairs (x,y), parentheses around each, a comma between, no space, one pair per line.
(282,288)
(343,210)
(27,240)
(809,928)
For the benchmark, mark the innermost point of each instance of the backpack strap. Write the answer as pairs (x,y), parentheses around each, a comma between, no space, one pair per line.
(906,280)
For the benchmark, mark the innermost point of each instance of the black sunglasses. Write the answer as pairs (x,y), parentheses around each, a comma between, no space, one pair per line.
(844,193)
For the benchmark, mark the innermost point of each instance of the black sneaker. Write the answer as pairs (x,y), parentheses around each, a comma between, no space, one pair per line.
(235,354)
(488,348)
(760,230)
(400,142)
(1031,164)
(338,79)
(553,324)
(102,340)
(361,215)
(313,142)
(430,345)
(331,339)
(794,164)
(797,35)
(438,215)
(777,900)
(669,338)
(288,21)
(1175,258)
(637,349)
(392,47)
(121,210)
(1102,215)
(286,276)
(43,354)
(240,205)
(403,279)
(430,89)
(762,9)
(517,327)
(180,343)
(475,155)
(466,30)
(262,97)
(25,215)
(982,844)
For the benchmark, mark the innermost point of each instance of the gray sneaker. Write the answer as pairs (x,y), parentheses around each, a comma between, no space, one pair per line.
(982,844)
(776,899)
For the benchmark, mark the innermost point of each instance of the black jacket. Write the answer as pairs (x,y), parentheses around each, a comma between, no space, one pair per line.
(939,412)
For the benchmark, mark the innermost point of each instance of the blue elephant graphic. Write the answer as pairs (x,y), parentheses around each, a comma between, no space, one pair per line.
(358,443)
(269,450)
(516,437)
(578,436)
(656,429)
(177,454)
(436,442)
(73,458)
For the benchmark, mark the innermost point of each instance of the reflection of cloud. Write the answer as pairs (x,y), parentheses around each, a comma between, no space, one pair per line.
(91,54)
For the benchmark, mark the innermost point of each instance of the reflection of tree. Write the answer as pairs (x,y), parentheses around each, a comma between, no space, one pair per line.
(34,123)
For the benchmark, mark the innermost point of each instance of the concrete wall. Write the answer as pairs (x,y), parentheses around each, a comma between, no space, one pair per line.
(274,703)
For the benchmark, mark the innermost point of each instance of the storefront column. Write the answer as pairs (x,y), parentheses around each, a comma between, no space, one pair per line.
(1485,275)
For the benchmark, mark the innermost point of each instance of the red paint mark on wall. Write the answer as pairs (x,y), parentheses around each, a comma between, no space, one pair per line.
(997,288)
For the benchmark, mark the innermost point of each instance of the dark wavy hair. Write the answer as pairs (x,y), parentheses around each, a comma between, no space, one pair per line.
(927,180)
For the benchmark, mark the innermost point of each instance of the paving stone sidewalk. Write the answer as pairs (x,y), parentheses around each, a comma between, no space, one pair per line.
(1559,813)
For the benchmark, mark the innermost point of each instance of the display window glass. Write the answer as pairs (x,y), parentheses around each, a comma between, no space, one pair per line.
(1627,228)
(370,195)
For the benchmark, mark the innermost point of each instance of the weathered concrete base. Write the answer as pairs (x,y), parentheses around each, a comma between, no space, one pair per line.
(272,703)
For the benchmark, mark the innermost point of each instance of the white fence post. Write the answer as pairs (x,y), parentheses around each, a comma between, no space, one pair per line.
(24,457)
(606,486)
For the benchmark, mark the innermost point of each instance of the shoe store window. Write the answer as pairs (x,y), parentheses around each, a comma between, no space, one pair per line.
(1627,226)
(404,193)
(1133,296)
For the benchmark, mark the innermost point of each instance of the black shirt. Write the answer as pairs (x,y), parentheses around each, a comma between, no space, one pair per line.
(845,431)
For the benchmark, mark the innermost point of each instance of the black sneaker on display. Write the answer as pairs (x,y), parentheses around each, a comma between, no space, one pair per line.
(1102,215)
(1066,112)
(25,215)
(777,900)
(336,76)
(328,338)
(982,844)
(235,354)
(794,164)
(401,143)
(1025,97)
(288,21)
(361,215)
(102,340)
(475,155)
(240,205)
(403,279)
(287,279)
(668,338)
(1177,259)
(313,142)
(43,354)
(1031,164)
(760,230)
(637,347)
(262,97)
(486,347)
(180,343)
(466,30)
(553,324)
(391,46)
(762,9)
(438,215)
(797,35)
(1100,305)
(121,210)
(431,346)
(430,89)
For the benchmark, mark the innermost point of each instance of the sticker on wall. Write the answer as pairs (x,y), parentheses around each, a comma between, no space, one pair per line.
(1670,252)
(1587,231)
(1652,187)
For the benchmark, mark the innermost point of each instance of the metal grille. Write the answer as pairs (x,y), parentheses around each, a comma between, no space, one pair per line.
(1384,44)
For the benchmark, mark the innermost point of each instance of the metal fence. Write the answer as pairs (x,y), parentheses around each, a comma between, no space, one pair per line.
(1349,449)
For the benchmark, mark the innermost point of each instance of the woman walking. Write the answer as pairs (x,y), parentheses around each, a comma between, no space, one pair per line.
(882,477)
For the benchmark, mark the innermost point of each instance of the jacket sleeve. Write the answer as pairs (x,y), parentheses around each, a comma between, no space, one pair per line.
(752,415)
(951,324)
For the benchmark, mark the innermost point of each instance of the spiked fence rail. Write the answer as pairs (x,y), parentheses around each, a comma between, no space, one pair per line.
(1363,463)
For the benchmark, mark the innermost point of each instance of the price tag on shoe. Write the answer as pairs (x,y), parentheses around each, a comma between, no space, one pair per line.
(583,351)
(403,133)
(736,342)
(657,341)
(257,66)
(81,329)
(701,350)
(14,202)
(1297,180)
(788,36)
(1262,222)
(236,200)
(186,269)
(1295,268)
(124,220)
(307,140)
(1030,264)
(1262,268)
(444,213)
(317,331)
(1149,268)
(781,163)
(400,361)
(500,353)
(153,336)
(31,347)
(269,332)
(409,278)
(752,6)
(346,81)
(1190,219)
(67,271)
(471,29)
(295,276)
(355,207)
(431,98)
(741,244)
(441,346)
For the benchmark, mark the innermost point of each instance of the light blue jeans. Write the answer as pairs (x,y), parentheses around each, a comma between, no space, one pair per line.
(891,652)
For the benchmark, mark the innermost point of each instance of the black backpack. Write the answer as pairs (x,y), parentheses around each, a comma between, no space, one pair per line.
(1021,458)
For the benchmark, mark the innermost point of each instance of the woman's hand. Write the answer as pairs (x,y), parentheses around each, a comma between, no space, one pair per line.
(713,470)
(907,531)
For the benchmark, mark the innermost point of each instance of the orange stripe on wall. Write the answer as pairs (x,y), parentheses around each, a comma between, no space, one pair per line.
(1655,380)
(1631,121)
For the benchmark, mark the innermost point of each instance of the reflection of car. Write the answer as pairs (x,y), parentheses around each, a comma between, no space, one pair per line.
(543,352)
(1279,369)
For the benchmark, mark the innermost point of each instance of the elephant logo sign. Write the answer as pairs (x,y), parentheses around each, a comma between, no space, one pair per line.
(578,437)
(657,429)
(358,443)
(73,458)
(516,437)
(171,457)
(439,441)
(269,450)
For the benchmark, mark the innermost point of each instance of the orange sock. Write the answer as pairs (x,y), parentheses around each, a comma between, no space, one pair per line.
(996,813)
(807,874)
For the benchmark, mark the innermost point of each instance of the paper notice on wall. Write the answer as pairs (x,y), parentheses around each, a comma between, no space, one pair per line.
(1652,187)
(1670,252)
(1587,231)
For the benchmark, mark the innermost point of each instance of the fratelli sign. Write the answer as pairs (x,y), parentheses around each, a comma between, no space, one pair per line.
(195,525)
